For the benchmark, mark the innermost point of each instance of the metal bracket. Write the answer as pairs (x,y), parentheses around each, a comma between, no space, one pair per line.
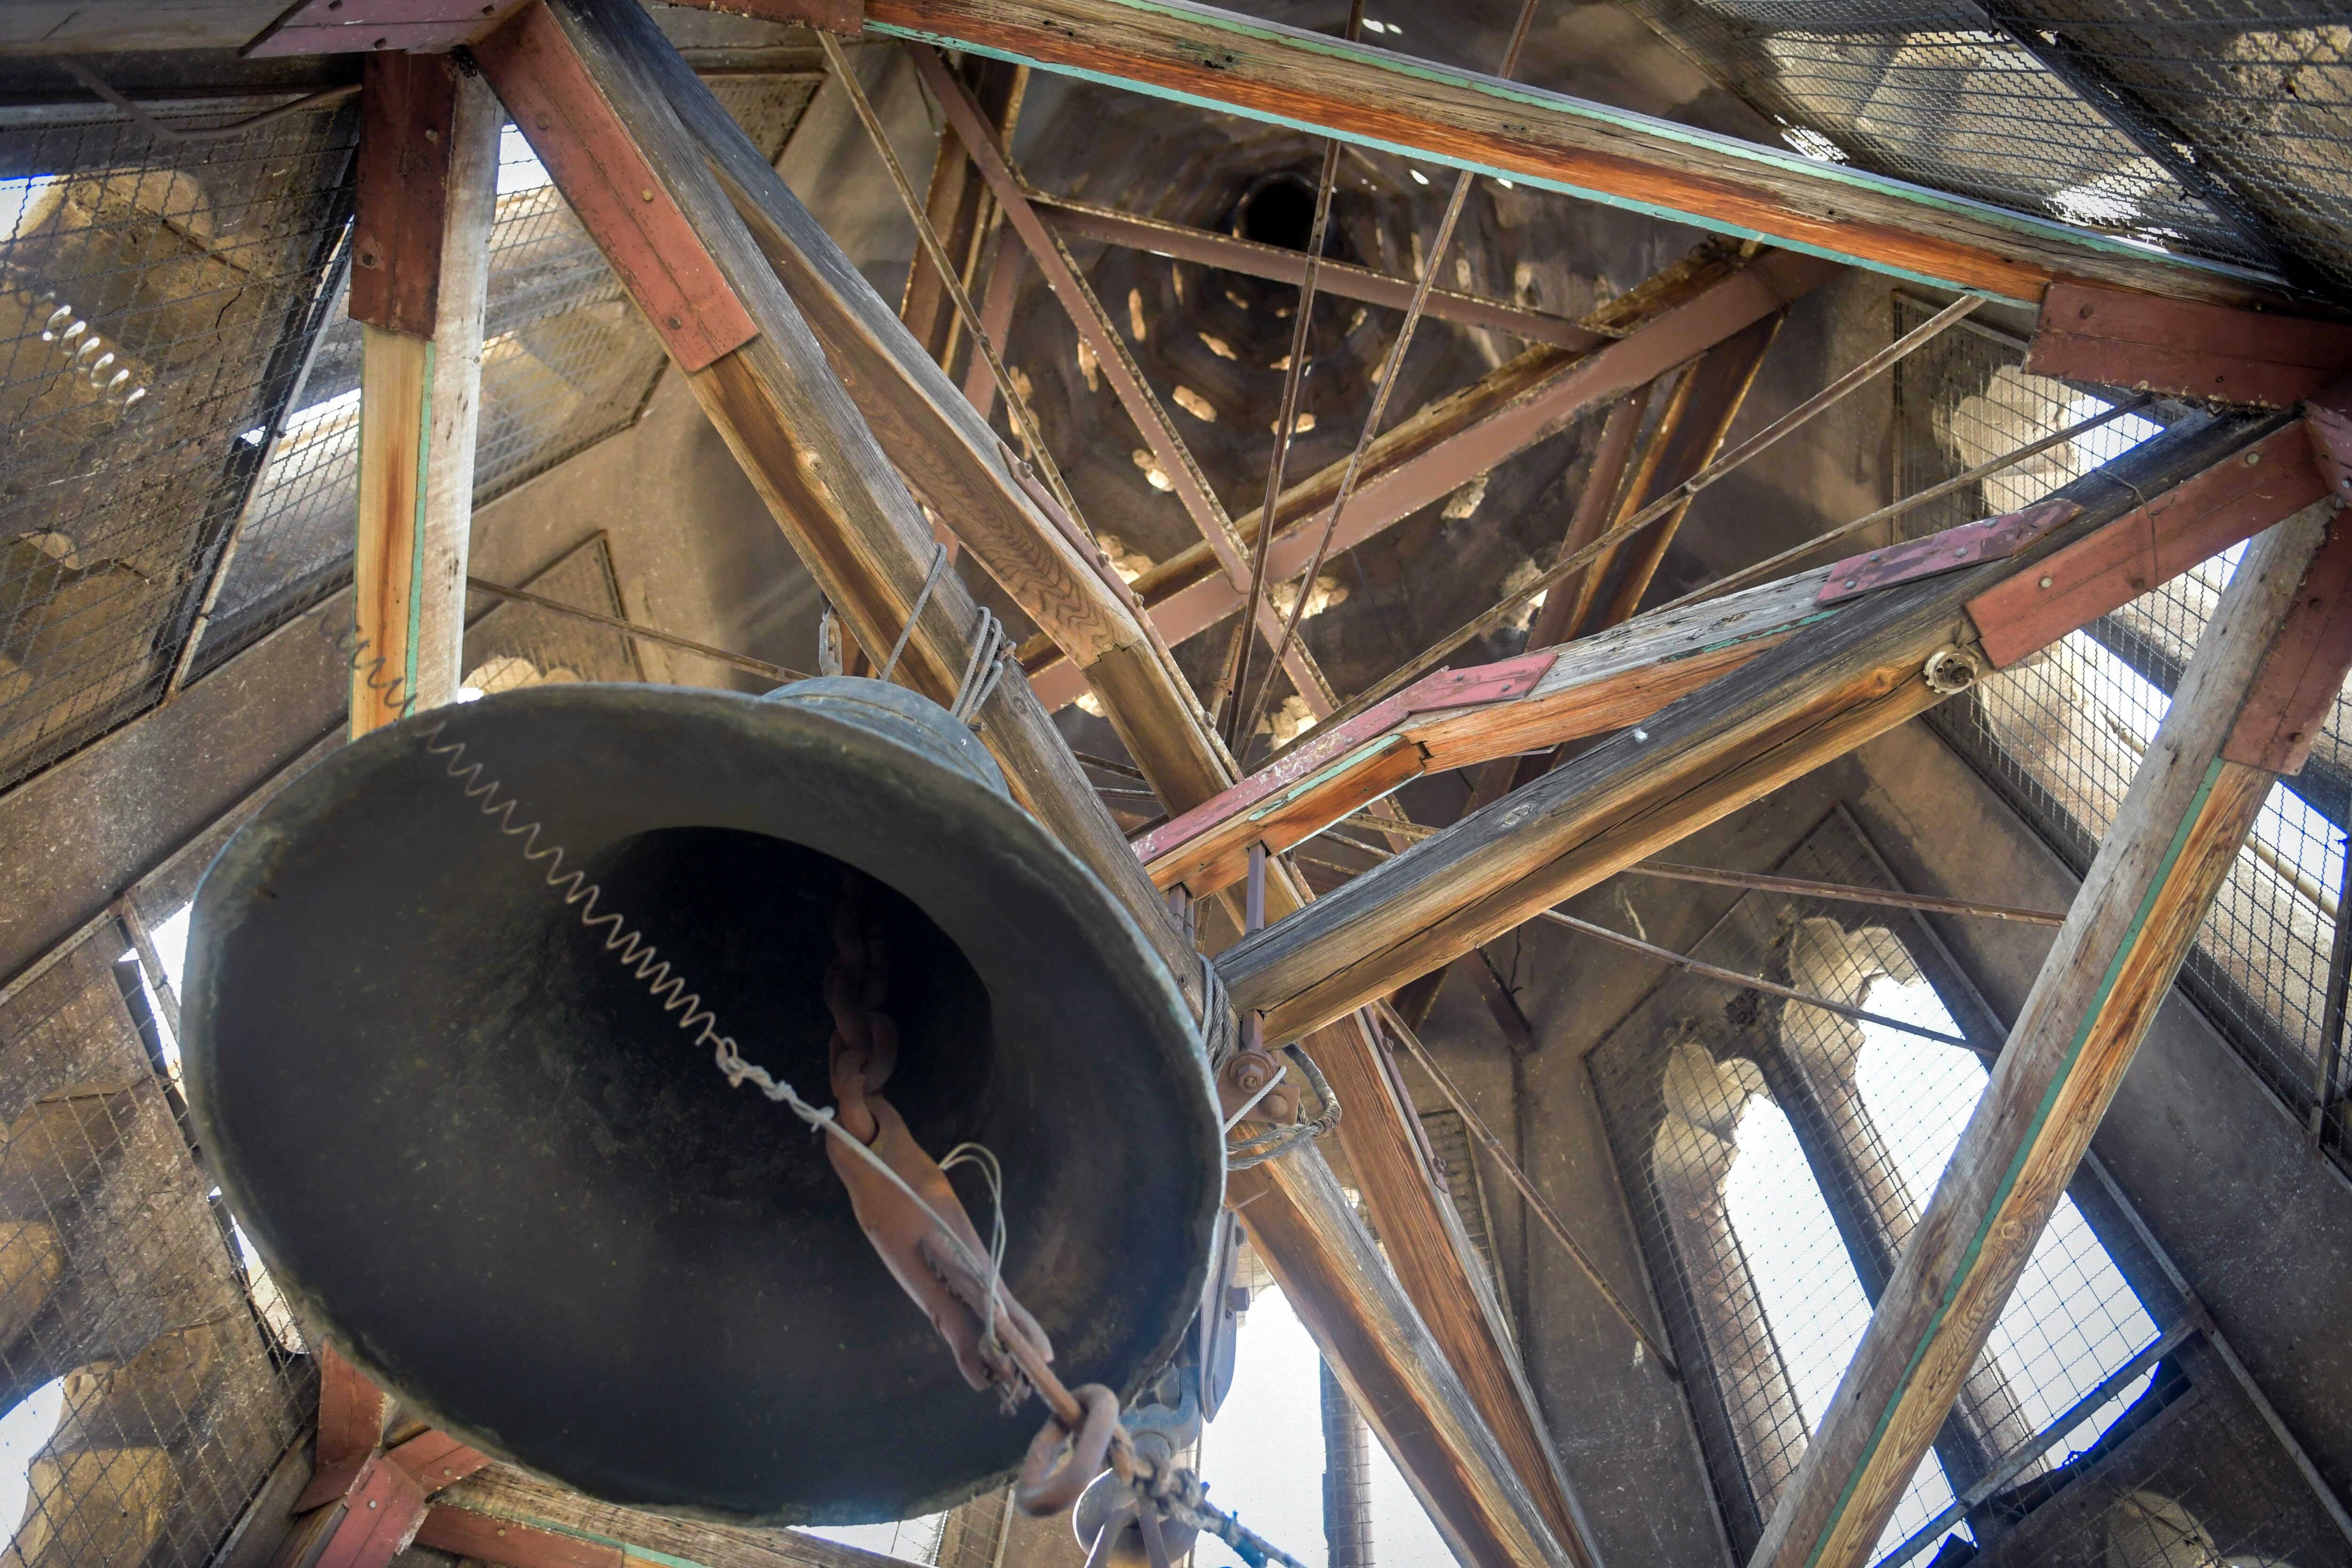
(619,199)
(1970,544)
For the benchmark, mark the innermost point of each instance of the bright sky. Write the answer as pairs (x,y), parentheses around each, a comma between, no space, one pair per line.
(2071,1321)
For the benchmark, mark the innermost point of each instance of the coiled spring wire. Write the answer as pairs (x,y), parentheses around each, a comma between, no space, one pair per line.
(1177,1492)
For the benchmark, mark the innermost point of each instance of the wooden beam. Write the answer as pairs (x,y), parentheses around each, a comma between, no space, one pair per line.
(1426,457)
(1719,383)
(945,449)
(596,89)
(1288,76)
(2185,350)
(428,171)
(2175,838)
(1332,1273)
(504,1516)
(1586,688)
(1152,418)
(1276,264)
(1855,674)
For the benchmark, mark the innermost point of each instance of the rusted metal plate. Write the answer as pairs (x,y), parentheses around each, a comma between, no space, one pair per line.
(1970,544)
(385,1511)
(331,1482)
(465,1533)
(2297,687)
(408,114)
(351,1411)
(2225,505)
(1497,682)
(435,1460)
(623,205)
(355,26)
(2122,339)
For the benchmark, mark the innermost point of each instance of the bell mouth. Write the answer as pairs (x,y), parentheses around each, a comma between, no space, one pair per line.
(488,1164)
(746,922)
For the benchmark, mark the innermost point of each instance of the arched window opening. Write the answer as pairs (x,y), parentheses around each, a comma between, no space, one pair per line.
(1811,1298)
(25,1431)
(2072,1318)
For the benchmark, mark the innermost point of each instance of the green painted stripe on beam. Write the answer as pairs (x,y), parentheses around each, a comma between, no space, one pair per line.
(2033,1131)
(417,536)
(1765,158)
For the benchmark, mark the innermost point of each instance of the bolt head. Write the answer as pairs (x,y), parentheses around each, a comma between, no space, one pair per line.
(2252,458)
(2045,582)
(647,195)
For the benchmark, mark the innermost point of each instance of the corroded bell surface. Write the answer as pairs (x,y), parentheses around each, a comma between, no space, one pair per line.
(490,1167)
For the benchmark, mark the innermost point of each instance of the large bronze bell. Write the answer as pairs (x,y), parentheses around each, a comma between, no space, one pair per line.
(490,1168)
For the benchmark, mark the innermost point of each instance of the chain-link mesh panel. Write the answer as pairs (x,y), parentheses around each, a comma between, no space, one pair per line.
(155,298)
(1776,1156)
(566,362)
(127,1314)
(2061,734)
(2217,128)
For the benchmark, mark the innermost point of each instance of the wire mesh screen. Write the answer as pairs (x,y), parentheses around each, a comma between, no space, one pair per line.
(154,300)
(2061,734)
(2217,128)
(1776,1157)
(566,362)
(2184,1473)
(131,1329)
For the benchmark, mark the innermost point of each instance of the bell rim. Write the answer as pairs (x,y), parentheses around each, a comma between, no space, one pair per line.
(242,862)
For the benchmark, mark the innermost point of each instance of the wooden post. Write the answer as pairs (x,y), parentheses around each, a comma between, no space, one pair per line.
(428,161)
(1856,672)
(420,243)
(2264,673)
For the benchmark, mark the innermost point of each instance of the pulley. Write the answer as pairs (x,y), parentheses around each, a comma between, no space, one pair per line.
(435,1054)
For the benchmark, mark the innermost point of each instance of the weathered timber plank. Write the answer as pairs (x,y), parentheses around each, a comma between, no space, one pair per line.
(1593,685)
(1288,76)
(2174,840)
(1853,674)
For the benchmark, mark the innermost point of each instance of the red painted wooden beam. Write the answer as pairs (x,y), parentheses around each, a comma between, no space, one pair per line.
(2223,506)
(2185,350)
(465,1533)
